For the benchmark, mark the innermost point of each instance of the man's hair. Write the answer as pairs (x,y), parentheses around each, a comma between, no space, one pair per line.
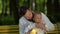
(22,10)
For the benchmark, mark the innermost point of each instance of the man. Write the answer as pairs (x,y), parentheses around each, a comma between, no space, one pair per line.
(23,22)
(27,15)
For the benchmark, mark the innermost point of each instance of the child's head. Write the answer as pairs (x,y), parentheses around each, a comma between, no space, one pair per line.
(37,17)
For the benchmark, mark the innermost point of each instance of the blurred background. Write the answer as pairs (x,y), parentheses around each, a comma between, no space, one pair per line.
(9,17)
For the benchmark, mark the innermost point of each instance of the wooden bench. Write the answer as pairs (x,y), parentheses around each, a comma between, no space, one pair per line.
(13,29)
(9,29)
(55,31)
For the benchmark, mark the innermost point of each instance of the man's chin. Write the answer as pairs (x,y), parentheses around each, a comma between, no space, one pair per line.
(29,19)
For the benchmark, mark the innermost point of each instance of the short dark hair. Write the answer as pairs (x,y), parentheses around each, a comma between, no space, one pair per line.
(22,10)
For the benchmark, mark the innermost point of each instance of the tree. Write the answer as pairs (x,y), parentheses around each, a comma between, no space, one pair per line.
(40,4)
(56,10)
(14,7)
(4,7)
(11,7)
(50,10)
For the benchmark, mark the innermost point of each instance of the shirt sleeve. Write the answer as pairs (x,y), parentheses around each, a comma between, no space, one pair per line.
(49,26)
(21,26)
(29,27)
(21,29)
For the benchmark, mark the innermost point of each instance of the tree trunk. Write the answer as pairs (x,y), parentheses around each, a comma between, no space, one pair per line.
(5,8)
(14,6)
(50,10)
(30,4)
(2,7)
(57,12)
(11,8)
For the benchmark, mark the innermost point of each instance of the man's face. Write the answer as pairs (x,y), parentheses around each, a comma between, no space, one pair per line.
(28,14)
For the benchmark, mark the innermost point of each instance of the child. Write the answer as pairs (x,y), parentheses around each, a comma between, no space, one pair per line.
(38,21)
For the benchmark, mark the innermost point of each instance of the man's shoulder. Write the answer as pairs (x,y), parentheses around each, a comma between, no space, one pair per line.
(42,13)
(22,18)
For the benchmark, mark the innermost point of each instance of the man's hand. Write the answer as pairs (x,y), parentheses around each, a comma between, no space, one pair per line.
(27,33)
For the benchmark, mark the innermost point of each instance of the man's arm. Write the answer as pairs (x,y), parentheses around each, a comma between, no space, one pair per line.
(29,28)
(49,26)
(27,33)
(21,27)
(22,23)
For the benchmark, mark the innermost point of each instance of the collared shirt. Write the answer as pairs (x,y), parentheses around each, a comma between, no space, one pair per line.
(23,24)
(48,24)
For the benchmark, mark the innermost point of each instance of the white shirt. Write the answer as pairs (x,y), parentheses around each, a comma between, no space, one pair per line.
(23,23)
(48,24)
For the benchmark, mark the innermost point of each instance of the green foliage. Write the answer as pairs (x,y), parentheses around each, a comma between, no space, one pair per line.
(0,6)
(40,4)
(7,20)
(10,19)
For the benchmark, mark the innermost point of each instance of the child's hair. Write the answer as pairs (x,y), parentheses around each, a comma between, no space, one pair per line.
(34,14)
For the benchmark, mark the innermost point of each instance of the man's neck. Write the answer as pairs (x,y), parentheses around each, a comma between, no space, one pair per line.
(28,19)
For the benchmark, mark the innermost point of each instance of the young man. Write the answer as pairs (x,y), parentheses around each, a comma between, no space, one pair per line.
(24,20)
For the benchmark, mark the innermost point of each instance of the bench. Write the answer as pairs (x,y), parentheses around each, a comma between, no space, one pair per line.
(9,29)
(13,29)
